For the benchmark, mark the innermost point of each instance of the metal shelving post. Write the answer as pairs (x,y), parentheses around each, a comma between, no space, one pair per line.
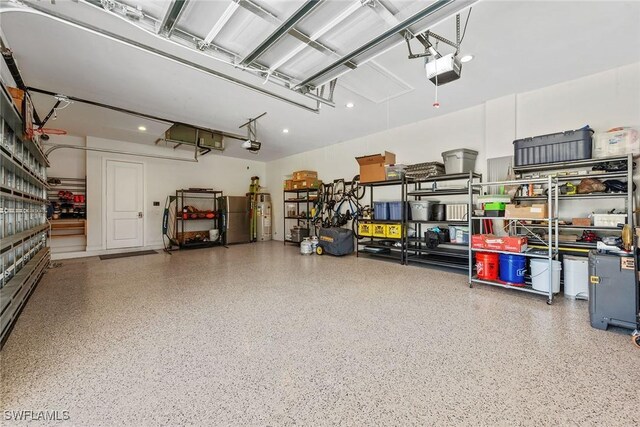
(552,248)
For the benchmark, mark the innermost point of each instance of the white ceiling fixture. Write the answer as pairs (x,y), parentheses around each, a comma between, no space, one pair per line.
(350,105)
(285,130)
(221,22)
(142,128)
(466,58)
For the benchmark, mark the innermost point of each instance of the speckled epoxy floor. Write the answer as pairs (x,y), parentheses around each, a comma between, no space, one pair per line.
(258,335)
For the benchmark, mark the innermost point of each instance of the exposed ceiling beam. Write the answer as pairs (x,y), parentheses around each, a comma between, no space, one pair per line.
(35,8)
(436,11)
(283,29)
(352,8)
(176,7)
(221,22)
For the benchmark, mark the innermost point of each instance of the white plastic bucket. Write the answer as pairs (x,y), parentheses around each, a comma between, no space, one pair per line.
(214,234)
(576,276)
(540,275)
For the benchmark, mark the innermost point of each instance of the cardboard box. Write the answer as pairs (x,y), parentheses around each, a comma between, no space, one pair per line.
(507,243)
(515,244)
(534,211)
(288,184)
(582,222)
(310,183)
(372,168)
(478,240)
(300,175)
(18,97)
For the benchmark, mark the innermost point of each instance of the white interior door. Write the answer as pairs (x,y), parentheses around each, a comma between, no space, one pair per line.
(125,199)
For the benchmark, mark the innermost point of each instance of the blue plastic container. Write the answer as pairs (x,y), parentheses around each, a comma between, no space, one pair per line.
(395,211)
(381,211)
(513,268)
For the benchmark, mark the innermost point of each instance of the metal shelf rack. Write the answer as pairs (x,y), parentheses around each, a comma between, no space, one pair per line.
(445,254)
(395,253)
(205,201)
(575,171)
(300,198)
(551,246)
(24,255)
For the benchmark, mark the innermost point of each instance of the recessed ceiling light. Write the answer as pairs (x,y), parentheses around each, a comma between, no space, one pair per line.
(285,130)
(142,128)
(466,58)
(350,105)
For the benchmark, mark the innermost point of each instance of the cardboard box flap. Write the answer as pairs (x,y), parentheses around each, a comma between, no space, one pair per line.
(387,158)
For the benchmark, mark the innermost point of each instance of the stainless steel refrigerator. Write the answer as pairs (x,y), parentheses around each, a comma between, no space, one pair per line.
(237,218)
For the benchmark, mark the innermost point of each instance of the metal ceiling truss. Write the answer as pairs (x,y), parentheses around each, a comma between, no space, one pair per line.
(167,27)
(176,7)
(171,57)
(436,11)
(208,46)
(281,31)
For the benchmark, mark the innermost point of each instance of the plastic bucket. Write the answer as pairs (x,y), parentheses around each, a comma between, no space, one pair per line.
(512,268)
(540,275)
(487,265)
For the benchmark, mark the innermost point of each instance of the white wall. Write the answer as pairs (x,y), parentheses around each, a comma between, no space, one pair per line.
(162,178)
(602,100)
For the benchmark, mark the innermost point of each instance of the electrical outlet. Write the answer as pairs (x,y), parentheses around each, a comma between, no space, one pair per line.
(156,203)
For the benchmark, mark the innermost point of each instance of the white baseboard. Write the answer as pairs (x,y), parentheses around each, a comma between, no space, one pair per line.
(90,253)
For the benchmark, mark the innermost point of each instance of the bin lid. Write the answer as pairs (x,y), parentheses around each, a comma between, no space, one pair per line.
(459,150)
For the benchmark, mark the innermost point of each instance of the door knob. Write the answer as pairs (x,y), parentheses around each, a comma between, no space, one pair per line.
(140,214)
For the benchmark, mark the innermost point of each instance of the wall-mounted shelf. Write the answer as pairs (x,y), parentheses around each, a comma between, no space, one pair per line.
(23,223)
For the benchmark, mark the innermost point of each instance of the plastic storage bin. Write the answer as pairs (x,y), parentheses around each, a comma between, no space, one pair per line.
(421,209)
(553,148)
(365,229)
(381,211)
(379,230)
(609,220)
(462,235)
(394,172)
(393,231)
(616,143)
(395,211)
(461,160)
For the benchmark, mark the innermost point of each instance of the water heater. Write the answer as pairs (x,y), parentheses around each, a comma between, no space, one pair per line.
(263,214)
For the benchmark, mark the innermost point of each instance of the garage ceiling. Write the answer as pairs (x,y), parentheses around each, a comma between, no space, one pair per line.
(518,46)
